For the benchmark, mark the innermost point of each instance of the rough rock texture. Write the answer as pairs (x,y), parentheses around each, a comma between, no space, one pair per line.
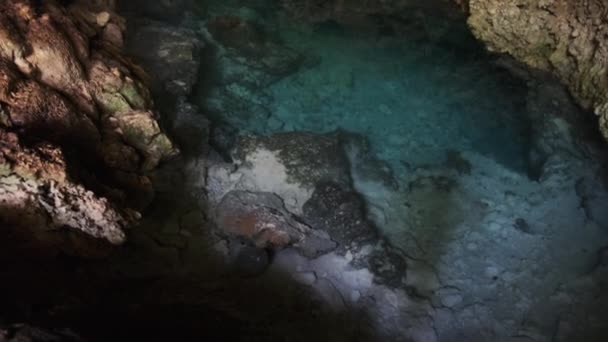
(38,202)
(341,213)
(174,53)
(246,60)
(75,116)
(28,333)
(263,219)
(287,164)
(567,38)
(166,10)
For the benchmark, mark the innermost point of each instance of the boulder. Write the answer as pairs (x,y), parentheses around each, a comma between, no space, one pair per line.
(262,219)
(287,164)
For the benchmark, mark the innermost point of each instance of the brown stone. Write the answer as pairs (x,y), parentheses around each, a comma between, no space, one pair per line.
(566,38)
(78,135)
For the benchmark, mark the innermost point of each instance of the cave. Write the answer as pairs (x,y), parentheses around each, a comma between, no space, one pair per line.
(297,170)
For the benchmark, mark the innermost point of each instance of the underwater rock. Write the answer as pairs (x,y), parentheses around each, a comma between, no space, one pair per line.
(172,52)
(356,12)
(556,128)
(246,61)
(286,164)
(76,124)
(292,164)
(593,198)
(378,17)
(365,165)
(523,226)
(250,56)
(262,219)
(455,161)
(564,37)
(170,10)
(341,213)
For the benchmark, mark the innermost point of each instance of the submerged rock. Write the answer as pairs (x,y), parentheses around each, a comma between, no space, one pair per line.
(245,61)
(593,197)
(286,164)
(173,53)
(341,213)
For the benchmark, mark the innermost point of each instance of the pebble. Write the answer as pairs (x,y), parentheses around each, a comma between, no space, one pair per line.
(349,256)
(451,300)
(494,227)
(492,272)
(305,278)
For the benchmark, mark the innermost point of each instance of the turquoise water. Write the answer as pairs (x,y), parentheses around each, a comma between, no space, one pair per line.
(414,96)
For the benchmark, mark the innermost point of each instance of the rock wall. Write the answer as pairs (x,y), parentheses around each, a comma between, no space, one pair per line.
(77,132)
(565,37)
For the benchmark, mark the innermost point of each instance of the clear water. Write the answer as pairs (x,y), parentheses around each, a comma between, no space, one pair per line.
(413,96)
(417,96)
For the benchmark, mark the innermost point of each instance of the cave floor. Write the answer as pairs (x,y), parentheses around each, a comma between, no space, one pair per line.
(498,255)
(491,253)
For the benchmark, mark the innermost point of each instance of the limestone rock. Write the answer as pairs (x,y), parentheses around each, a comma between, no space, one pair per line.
(62,82)
(44,213)
(564,37)
(173,53)
(341,213)
(248,61)
(287,164)
(78,136)
(309,158)
(369,16)
(172,10)
(263,219)
(253,55)
(593,200)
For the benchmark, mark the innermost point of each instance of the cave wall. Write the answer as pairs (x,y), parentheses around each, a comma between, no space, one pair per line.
(568,38)
(78,131)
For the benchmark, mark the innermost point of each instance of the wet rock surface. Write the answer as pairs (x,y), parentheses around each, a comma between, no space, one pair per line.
(262,218)
(341,213)
(246,61)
